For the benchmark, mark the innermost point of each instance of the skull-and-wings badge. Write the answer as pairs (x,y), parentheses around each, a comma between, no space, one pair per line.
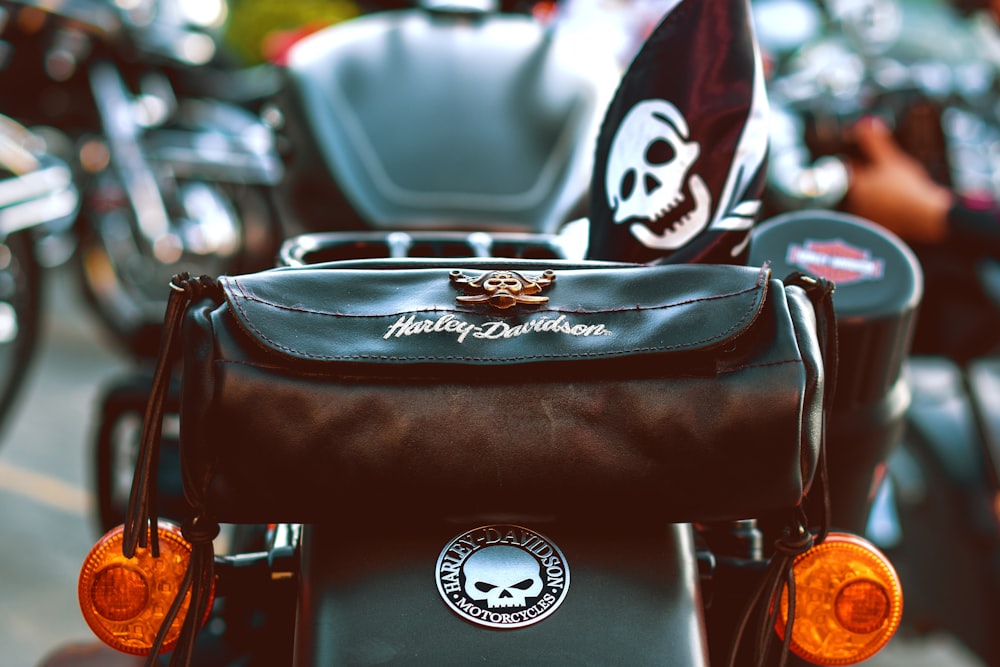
(502,289)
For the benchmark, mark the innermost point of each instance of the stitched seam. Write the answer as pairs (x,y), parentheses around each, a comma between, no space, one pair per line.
(310,311)
(436,309)
(582,355)
(290,350)
(722,335)
(734,369)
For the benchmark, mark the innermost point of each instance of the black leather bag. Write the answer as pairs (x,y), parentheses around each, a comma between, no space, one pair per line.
(691,392)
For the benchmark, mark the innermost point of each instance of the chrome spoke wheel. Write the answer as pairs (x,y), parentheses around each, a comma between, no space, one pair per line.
(20,297)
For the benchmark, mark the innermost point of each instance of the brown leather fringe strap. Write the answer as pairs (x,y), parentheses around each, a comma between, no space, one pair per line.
(820,292)
(797,537)
(765,604)
(141,518)
(198,580)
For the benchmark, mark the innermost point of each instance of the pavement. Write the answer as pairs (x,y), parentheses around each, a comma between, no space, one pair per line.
(46,506)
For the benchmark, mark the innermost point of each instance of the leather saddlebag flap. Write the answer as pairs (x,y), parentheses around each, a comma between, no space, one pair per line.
(686,392)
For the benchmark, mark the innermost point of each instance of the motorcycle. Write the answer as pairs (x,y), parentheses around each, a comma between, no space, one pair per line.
(171,160)
(939,105)
(675,593)
(934,509)
(37,199)
(167,149)
(278,585)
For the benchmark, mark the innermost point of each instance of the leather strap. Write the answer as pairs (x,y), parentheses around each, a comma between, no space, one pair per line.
(797,537)
(142,516)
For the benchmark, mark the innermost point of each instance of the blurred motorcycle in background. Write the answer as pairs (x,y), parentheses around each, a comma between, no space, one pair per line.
(37,199)
(930,74)
(171,162)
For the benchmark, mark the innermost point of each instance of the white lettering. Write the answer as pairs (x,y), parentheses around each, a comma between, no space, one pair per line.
(470,608)
(409,325)
(450,582)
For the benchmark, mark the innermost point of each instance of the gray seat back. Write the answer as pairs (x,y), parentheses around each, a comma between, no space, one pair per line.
(440,120)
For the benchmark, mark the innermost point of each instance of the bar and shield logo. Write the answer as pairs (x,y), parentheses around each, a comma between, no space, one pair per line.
(836,260)
(502,576)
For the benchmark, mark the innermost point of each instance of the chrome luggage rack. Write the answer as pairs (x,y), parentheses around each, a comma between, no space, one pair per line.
(316,248)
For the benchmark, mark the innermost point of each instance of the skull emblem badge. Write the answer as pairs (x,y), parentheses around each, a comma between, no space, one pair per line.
(649,172)
(502,576)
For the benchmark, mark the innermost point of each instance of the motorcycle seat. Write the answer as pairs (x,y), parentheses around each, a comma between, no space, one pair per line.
(430,120)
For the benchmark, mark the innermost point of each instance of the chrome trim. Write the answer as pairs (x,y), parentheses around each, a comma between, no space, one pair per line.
(123,134)
(309,249)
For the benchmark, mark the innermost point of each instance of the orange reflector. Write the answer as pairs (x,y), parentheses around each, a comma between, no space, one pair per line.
(124,600)
(848,602)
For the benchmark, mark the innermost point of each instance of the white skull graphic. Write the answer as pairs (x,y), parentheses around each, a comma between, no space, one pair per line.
(503,576)
(648,166)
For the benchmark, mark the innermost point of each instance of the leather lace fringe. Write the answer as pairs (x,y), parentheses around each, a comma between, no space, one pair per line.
(142,516)
(797,537)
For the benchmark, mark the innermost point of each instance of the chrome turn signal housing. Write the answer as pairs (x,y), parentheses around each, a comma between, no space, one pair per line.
(124,600)
(848,602)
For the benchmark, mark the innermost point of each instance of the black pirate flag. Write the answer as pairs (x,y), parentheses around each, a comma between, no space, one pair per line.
(680,157)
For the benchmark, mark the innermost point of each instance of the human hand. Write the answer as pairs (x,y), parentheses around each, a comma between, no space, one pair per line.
(891,188)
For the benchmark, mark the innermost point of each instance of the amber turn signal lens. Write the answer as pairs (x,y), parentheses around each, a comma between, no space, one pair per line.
(848,602)
(124,600)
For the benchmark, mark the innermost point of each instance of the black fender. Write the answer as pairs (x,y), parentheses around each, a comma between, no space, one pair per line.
(367,596)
